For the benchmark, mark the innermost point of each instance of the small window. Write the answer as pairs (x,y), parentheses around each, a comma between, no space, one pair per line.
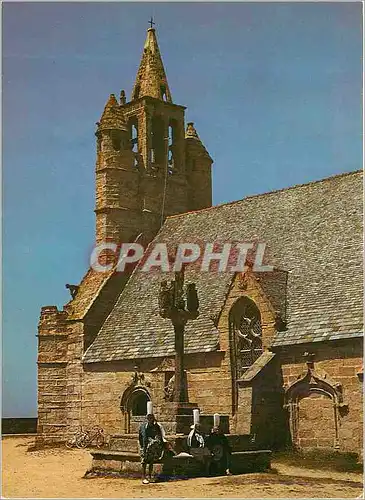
(163,92)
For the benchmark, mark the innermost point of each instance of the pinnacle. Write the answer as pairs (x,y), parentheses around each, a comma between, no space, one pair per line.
(113,115)
(191,132)
(112,101)
(151,77)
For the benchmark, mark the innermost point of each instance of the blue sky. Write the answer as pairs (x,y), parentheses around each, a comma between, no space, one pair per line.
(274,91)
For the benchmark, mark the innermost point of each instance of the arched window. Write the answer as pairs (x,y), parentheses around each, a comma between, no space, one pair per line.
(246,334)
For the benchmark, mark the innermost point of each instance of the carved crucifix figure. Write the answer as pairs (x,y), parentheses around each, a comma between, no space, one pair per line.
(180,306)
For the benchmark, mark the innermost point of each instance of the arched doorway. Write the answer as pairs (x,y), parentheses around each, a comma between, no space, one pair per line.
(315,405)
(134,408)
(138,403)
(316,422)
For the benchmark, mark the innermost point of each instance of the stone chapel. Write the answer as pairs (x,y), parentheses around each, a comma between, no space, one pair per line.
(279,353)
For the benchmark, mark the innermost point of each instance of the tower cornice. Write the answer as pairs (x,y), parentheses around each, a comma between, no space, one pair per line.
(151,100)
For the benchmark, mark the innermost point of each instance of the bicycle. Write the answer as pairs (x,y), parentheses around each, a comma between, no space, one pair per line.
(76,439)
(96,434)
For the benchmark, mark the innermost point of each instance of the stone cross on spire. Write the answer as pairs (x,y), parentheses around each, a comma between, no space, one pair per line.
(151,77)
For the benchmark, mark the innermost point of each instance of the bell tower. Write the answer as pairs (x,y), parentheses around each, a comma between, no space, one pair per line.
(117,181)
(160,169)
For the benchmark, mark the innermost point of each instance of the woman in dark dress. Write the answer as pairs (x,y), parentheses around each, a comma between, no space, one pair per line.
(198,448)
(152,443)
(221,451)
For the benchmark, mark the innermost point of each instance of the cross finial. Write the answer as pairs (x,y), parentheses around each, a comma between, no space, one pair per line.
(151,22)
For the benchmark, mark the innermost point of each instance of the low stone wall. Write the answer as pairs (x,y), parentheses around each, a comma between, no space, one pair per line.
(19,425)
(106,462)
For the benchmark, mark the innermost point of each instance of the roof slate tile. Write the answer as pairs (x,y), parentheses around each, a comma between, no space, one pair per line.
(312,231)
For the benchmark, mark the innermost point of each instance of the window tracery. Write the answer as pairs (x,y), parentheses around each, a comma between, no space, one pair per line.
(246,334)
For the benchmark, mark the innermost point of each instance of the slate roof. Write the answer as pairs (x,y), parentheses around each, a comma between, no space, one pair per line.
(313,231)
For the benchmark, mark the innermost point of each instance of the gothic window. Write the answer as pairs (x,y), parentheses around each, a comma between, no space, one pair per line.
(246,334)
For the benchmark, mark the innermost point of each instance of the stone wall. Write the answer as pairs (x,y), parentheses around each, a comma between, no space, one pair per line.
(72,394)
(105,384)
(340,364)
(326,414)
(52,378)
(199,169)
(209,376)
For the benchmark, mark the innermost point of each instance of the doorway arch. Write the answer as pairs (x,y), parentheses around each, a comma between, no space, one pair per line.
(134,407)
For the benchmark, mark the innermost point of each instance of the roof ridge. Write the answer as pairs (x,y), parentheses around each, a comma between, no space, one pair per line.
(352,172)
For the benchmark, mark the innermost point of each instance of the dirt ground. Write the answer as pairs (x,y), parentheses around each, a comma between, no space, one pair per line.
(57,473)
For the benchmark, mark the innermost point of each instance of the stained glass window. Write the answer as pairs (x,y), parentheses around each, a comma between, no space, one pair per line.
(246,334)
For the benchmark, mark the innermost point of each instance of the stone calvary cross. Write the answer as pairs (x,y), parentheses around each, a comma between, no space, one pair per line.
(179,306)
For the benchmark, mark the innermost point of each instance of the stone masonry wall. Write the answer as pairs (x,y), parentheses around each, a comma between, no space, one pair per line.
(199,168)
(340,362)
(52,378)
(208,375)
(104,386)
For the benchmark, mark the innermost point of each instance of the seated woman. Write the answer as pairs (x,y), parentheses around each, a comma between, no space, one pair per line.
(197,447)
(221,451)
